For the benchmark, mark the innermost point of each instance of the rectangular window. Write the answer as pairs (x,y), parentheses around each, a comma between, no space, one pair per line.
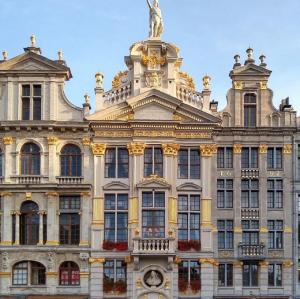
(274,158)
(189,164)
(69,219)
(153,214)
(249,157)
(250,232)
(31,99)
(225,157)
(116,217)
(189,275)
(153,161)
(114,276)
(225,275)
(250,274)
(225,193)
(250,193)
(116,163)
(250,110)
(189,217)
(275,234)
(275,275)
(225,234)
(275,194)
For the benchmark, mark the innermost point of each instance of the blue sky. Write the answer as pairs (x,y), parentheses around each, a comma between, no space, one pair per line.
(95,35)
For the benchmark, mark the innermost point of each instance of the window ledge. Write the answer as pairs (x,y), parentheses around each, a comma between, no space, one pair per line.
(68,287)
(28,287)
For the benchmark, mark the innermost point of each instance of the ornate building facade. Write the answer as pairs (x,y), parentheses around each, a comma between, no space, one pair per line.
(155,195)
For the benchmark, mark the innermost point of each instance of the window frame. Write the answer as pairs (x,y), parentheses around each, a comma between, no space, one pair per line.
(272,158)
(116,211)
(189,164)
(189,211)
(274,275)
(251,282)
(116,163)
(226,233)
(70,159)
(154,164)
(32,99)
(225,191)
(222,157)
(227,278)
(274,201)
(252,231)
(275,234)
(181,269)
(70,274)
(252,202)
(153,209)
(115,269)
(249,107)
(29,158)
(250,159)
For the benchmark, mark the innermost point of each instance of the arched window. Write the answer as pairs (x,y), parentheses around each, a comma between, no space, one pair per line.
(250,110)
(70,160)
(30,159)
(29,223)
(29,273)
(1,163)
(69,274)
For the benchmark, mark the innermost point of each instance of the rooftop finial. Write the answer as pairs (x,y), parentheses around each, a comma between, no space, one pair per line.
(206,82)
(4,54)
(156,20)
(262,59)
(60,55)
(87,98)
(33,40)
(99,80)
(237,59)
(250,59)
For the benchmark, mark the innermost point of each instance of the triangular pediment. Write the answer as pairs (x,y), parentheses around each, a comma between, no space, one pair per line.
(154,105)
(154,182)
(251,69)
(35,63)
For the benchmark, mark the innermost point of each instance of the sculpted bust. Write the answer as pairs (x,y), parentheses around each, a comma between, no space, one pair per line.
(156,21)
(153,280)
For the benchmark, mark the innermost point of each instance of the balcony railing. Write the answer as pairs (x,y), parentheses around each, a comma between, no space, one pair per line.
(69,180)
(249,213)
(250,173)
(28,179)
(153,246)
(251,251)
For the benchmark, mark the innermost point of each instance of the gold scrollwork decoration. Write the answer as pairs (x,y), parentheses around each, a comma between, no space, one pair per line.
(52,140)
(287,149)
(207,150)
(7,140)
(136,149)
(237,148)
(98,149)
(153,60)
(238,85)
(99,260)
(116,82)
(86,141)
(170,149)
(263,149)
(288,264)
(263,85)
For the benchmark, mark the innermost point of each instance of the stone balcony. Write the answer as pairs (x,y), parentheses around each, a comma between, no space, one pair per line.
(154,246)
(249,213)
(30,179)
(251,252)
(250,173)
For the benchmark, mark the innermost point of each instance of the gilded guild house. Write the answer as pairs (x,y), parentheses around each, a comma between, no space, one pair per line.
(156,194)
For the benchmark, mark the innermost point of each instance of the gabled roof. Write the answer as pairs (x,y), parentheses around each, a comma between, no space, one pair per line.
(250,69)
(32,63)
(161,100)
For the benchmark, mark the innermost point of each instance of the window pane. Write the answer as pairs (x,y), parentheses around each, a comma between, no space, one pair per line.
(25,108)
(37,109)
(110,163)
(123,163)
(183,164)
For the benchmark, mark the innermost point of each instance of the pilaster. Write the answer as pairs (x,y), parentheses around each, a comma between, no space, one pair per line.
(96,281)
(85,220)
(52,218)
(53,163)
(7,219)
(8,163)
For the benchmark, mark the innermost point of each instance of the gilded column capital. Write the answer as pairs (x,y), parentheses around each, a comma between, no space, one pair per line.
(6,194)
(99,260)
(287,149)
(263,149)
(28,195)
(98,149)
(136,149)
(239,85)
(207,150)
(85,194)
(7,140)
(264,264)
(287,264)
(288,230)
(86,141)
(263,85)
(264,230)
(237,229)
(177,260)
(3,274)
(238,264)
(51,273)
(212,262)
(237,148)
(52,194)
(128,259)
(170,149)
(52,140)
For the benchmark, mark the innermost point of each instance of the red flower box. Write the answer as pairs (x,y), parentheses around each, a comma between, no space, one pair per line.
(108,286)
(182,285)
(120,287)
(195,285)
(121,246)
(195,245)
(184,246)
(108,245)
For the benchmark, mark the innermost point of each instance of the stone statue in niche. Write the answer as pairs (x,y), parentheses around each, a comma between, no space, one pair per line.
(156,21)
(153,279)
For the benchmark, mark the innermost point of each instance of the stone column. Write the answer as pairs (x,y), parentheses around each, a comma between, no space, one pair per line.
(52,281)
(17,214)
(136,152)
(97,236)
(53,219)
(206,201)
(41,228)
(85,219)
(207,277)
(7,220)
(287,274)
(238,278)
(263,277)
(8,163)
(53,163)
(96,281)
(86,167)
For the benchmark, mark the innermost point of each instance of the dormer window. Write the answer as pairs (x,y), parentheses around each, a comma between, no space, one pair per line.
(31,102)
(250,110)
